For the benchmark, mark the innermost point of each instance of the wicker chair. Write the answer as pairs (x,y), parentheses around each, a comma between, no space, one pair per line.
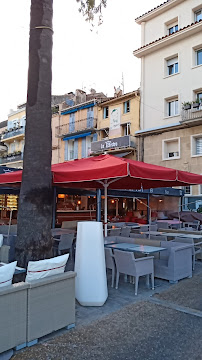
(110,263)
(128,265)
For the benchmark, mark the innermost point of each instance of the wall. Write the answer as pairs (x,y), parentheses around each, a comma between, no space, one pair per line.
(156,28)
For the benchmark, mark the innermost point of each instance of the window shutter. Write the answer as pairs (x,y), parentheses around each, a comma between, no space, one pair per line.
(95,137)
(83,147)
(198,146)
(76,149)
(172,61)
(66,150)
(72,122)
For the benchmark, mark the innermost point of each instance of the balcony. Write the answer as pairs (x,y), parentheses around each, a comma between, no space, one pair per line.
(193,114)
(11,158)
(75,127)
(13,132)
(3,148)
(116,145)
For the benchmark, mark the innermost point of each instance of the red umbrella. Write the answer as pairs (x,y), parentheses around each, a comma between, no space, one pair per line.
(111,172)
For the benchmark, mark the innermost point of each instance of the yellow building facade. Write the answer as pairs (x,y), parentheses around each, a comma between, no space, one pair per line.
(118,120)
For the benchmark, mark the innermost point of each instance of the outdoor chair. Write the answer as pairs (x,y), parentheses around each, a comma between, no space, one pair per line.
(125,231)
(110,263)
(196,249)
(158,237)
(144,228)
(128,265)
(153,227)
(114,232)
(138,236)
(66,241)
(163,225)
(175,263)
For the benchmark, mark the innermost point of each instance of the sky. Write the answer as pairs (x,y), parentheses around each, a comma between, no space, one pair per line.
(82,59)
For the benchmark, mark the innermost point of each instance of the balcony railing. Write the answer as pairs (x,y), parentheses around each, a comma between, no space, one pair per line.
(192,114)
(11,158)
(76,127)
(12,133)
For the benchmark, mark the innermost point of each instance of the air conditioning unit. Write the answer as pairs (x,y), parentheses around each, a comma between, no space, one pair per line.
(173,154)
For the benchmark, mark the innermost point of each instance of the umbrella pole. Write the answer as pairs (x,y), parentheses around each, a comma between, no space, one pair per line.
(105,215)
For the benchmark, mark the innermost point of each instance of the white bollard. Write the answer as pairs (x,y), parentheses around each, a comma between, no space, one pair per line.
(91,279)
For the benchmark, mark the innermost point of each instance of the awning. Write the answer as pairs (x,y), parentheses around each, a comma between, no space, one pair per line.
(77,136)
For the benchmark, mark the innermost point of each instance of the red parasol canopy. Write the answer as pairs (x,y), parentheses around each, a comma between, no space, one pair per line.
(119,173)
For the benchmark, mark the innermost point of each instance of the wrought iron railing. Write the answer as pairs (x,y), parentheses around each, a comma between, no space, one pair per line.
(12,133)
(11,158)
(76,126)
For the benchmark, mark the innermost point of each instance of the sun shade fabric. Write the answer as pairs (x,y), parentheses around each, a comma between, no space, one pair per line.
(128,174)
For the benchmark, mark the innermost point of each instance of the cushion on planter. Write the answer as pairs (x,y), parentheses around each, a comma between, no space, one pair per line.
(6,273)
(43,268)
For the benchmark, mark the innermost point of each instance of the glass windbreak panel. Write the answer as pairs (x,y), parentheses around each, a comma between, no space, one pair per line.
(199,57)
(198,146)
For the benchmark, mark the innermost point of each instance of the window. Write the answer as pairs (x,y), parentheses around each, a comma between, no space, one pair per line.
(89,140)
(126,129)
(172,66)
(173,108)
(104,133)
(199,97)
(70,150)
(126,106)
(105,112)
(187,190)
(199,57)
(198,15)
(173,29)
(196,145)
(171,149)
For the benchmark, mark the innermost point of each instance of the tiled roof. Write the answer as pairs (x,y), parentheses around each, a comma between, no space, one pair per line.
(165,2)
(169,35)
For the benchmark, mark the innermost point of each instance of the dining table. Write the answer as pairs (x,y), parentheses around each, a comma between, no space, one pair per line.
(143,249)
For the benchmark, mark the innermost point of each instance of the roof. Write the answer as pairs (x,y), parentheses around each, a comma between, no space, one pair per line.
(155,8)
(169,35)
(122,97)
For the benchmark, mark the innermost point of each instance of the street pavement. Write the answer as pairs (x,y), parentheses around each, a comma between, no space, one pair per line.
(162,325)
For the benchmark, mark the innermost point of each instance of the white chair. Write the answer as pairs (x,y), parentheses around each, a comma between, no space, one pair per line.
(128,265)
(110,263)
(66,241)
(196,249)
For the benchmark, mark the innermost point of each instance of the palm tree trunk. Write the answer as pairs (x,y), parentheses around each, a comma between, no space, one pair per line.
(35,204)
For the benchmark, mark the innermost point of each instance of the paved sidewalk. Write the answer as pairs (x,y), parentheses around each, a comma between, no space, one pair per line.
(162,325)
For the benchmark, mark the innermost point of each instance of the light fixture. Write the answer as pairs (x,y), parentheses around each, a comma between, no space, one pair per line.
(79,202)
(61,196)
(112,201)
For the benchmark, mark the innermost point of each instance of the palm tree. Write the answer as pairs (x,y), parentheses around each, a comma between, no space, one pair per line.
(34,240)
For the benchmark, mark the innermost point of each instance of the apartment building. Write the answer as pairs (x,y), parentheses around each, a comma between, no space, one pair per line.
(12,137)
(171,89)
(118,120)
(76,125)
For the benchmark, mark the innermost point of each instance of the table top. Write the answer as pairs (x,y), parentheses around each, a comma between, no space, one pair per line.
(18,270)
(177,234)
(170,221)
(144,249)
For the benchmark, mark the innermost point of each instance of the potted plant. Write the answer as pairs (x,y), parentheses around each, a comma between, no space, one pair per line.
(195,104)
(186,105)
